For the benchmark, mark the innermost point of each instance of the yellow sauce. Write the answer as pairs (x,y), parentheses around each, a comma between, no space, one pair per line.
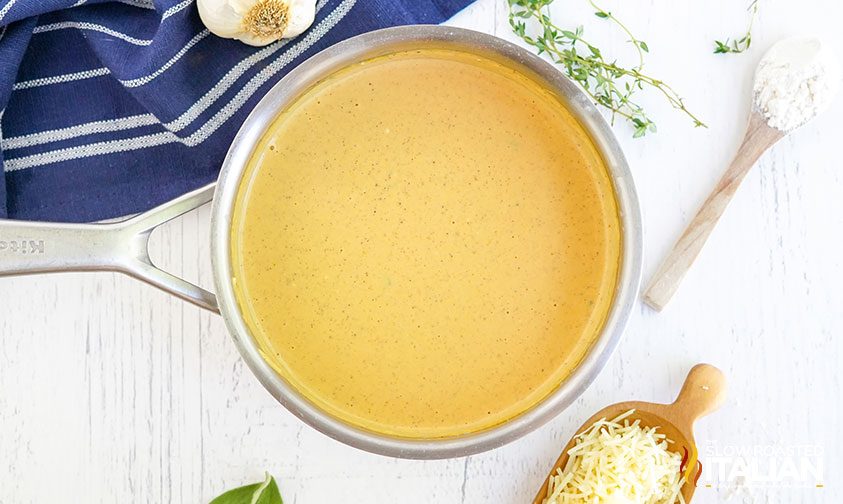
(425,244)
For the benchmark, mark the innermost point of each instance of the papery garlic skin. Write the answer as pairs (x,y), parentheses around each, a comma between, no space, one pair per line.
(257,22)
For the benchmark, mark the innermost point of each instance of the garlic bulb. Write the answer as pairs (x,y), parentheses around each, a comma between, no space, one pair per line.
(257,22)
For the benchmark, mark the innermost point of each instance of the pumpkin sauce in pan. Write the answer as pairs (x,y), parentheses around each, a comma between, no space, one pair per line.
(426,244)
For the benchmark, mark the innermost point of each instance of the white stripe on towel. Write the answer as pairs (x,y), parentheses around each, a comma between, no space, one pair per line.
(93,27)
(58,79)
(176,8)
(6,8)
(140,81)
(90,128)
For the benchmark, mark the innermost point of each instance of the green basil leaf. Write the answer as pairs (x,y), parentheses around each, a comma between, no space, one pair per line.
(259,493)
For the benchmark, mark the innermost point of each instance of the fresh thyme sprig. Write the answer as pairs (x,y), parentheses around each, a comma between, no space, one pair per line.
(608,83)
(742,44)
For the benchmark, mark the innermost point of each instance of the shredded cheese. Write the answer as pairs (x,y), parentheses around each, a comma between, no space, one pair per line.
(618,462)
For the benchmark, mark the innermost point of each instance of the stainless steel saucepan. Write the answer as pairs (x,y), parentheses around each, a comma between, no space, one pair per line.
(35,247)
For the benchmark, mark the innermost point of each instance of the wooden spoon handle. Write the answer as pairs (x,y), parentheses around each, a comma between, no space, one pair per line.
(703,392)
(664,283)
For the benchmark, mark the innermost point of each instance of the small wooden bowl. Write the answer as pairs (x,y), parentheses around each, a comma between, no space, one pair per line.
(703,392)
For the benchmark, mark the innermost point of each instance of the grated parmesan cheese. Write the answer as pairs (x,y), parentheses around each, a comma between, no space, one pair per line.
(618,463)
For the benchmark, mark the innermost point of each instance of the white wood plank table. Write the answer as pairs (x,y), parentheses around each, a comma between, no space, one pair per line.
(111,391)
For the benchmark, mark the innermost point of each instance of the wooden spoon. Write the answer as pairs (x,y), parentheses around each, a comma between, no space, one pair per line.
(758,138)
(703,392)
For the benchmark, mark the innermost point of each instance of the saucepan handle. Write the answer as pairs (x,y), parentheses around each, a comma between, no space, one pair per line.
(44,247)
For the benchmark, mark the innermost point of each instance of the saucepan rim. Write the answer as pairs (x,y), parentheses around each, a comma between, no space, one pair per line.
(363,47)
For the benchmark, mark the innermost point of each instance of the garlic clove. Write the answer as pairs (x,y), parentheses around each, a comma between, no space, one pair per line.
(220,18)
(257,22)
(302,14)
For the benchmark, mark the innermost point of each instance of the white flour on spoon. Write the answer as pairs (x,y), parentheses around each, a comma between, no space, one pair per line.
(796,80)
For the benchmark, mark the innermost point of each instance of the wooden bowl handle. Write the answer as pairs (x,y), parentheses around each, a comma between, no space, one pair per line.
(703,392)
